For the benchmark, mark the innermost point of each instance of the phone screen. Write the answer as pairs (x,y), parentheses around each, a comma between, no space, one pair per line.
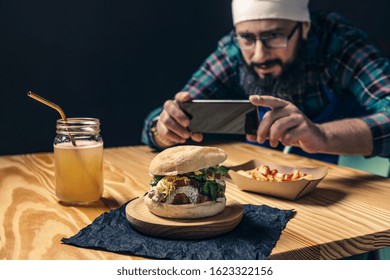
(222,116)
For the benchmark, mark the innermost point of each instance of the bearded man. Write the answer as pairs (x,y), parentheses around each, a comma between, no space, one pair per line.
(326,87)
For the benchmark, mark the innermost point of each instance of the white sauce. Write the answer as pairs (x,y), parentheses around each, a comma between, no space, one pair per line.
(191,193)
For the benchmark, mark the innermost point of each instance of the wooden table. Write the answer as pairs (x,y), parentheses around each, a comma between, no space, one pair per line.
(348,213)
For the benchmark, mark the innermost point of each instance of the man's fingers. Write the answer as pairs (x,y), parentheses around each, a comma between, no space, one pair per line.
(197,137)
(282,125)
(264,127)
(267,101)
(170,124)
(173,109)
(290,138)
(173,122)
(251,137)
(173,138)
(182,96)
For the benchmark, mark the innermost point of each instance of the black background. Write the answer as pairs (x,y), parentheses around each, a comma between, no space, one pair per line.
(116,59)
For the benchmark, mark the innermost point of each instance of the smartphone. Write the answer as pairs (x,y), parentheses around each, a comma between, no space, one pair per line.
(222,116)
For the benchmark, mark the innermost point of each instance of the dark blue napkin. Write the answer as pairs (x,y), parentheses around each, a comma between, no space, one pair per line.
(253,239)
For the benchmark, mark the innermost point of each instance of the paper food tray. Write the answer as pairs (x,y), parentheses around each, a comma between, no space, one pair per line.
(288,190)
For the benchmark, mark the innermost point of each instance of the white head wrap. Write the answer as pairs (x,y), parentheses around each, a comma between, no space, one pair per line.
(244,10)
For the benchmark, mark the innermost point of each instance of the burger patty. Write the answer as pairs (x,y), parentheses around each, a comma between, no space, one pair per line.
(181,198)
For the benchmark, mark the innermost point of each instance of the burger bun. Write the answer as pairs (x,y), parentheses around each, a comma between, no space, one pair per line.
(185,211)
(184,159)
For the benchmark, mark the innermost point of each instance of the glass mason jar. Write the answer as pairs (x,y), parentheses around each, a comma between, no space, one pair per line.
(78,161)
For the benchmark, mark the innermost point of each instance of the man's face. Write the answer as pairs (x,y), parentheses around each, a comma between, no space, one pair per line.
(271,61)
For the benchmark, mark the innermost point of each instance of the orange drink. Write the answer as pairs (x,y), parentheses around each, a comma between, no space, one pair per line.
(79,172)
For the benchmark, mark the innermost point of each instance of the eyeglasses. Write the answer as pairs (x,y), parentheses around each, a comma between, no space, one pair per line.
(248,41)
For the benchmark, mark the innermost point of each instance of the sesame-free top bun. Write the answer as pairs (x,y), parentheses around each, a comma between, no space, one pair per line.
(185,159)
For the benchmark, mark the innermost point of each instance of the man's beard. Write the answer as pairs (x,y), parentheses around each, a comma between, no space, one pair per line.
(283,85)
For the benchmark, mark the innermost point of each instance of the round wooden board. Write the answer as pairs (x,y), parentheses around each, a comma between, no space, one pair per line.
(143,220)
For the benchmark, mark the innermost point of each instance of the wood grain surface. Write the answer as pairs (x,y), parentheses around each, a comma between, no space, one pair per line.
(146,222)
(348,213)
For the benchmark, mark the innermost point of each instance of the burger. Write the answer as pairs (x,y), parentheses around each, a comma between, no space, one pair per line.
(188,182)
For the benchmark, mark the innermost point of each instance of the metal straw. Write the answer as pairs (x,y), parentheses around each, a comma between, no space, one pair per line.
(54,106)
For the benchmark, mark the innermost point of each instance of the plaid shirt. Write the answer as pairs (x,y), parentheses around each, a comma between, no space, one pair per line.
(338,59)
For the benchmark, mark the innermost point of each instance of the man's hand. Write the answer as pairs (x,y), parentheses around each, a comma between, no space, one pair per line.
(285,123)
(172,125)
